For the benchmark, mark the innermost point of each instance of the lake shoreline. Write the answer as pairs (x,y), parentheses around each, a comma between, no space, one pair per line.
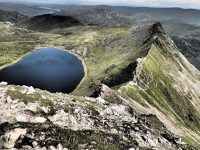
(60,48)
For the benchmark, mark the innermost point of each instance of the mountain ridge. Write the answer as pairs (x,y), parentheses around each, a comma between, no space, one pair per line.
(152,75)
(157,107)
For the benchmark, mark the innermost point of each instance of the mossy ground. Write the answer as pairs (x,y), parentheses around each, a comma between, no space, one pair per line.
(41,98)
(86,139)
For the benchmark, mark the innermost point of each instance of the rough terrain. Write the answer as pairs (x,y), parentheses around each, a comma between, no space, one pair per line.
(139,92)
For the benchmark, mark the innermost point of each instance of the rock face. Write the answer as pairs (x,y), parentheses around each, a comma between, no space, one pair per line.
(47,22)
(156,107)
(64,123)
(10,138)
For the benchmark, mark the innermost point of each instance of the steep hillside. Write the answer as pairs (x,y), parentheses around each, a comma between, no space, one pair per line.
(181,24)
(187,39)
(47,22)
(13,17)
(165,80)
(139,92)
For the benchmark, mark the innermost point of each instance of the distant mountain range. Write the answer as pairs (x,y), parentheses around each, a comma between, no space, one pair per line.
(183,25)
(138,92)
(13,17)
(26,9)
(139,14)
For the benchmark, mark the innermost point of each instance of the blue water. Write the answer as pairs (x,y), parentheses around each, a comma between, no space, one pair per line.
(49,69)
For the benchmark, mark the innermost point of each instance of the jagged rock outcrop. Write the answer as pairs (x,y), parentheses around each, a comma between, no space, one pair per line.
(64,120)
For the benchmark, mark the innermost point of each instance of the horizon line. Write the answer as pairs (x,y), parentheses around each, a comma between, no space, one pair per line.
(111,5)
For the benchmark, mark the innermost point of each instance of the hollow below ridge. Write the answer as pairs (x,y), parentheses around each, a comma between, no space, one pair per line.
(50,69)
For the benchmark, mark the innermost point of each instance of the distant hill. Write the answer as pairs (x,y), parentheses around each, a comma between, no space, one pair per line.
(132,14)
(48,21)
(13,17)
(182,25)
(26,8)
(141,14)
(96,16)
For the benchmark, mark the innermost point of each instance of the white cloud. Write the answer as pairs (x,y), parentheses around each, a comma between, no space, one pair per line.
(152,3)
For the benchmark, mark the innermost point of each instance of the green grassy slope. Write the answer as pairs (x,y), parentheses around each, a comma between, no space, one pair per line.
(163,81)
(105,51)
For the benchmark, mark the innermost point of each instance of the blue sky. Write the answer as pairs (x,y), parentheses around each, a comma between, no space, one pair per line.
(151,3)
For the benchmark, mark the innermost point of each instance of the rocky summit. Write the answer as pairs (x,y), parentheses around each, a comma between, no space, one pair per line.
(139,92)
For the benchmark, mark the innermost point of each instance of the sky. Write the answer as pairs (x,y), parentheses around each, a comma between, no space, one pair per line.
(149,3)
